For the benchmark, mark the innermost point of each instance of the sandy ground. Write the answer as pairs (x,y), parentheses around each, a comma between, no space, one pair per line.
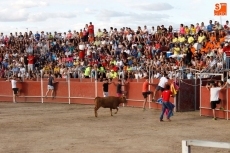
(64,128)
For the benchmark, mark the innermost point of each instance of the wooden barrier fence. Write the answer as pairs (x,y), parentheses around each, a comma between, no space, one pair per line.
(76,91)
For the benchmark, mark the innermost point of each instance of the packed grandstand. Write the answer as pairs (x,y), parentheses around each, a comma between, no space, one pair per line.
(117,53)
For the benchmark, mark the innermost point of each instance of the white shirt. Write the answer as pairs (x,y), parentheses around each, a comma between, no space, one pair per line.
(22,70)
(163,81)
(153,31)
(146,31)
(214,93)
(13,83)
(212,63)
(119,63)
(189,76)
(127,51)
(129,37)
(228,80)
(157,75)
(227,38)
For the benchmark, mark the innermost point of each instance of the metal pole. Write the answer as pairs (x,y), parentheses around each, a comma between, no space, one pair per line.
(149,87)
(96,83)
(80,76)
(91,76)
(195,94)
(227,103)
(67,77)
(41,87)
(200,93)
(69,87)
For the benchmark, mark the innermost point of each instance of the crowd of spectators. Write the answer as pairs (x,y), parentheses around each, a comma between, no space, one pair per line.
(117,53)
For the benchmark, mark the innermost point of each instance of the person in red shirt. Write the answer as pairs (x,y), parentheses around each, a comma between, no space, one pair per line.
(30,62)
(146,92)
(166,104)
(226,26)
(226,49)
(91,29)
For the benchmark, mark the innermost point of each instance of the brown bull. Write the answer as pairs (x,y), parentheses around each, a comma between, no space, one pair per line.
(108,102)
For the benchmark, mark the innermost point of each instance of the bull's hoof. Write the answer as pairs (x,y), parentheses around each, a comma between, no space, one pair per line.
(115,113)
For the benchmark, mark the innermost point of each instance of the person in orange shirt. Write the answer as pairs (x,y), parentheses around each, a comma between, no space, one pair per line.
(204,49)
(146,92)
(193,49)
(91,39)
(212,38)
(81,34)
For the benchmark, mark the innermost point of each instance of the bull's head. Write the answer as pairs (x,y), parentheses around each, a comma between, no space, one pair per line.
(124,100)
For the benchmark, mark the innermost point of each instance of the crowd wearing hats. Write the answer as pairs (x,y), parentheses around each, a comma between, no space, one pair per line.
(117,53)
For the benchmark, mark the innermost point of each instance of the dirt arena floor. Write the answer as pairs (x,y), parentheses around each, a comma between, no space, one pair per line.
(64,128)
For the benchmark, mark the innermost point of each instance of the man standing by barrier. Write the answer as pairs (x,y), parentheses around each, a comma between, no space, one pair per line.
(106,88)
(146,92)
(14,88)
(119,88)
(214,95)
(50,86)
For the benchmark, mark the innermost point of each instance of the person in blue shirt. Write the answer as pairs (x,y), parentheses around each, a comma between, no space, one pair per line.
(134,52)
(210,26)
(37,36)
(15,69)
(5,64)
(69,64)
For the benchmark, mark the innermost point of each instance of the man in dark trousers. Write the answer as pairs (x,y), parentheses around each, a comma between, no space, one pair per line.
(50,85)
(214,95)
(106,88)
(119,88)
(14,88)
